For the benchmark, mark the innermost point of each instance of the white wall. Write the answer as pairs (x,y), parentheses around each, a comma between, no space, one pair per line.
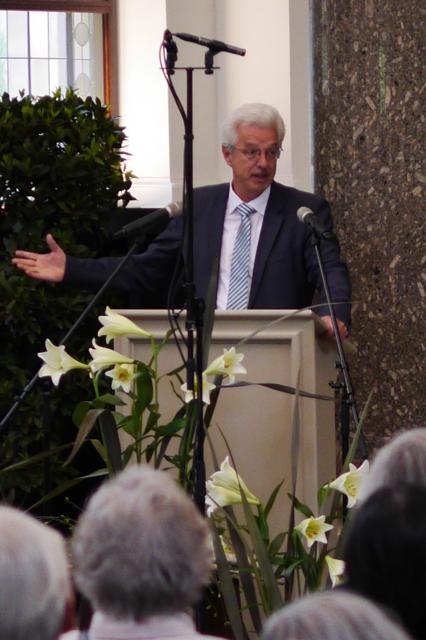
(197,17)
(276,69)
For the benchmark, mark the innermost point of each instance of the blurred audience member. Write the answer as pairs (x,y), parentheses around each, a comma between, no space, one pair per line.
(142,557)
(35,592)
(332,615)
(403,459)
(385,552)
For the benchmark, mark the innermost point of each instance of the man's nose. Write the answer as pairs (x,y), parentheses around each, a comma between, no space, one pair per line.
(262,160)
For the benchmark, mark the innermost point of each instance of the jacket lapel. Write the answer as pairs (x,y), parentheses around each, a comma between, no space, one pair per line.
(211,215)
(274,219)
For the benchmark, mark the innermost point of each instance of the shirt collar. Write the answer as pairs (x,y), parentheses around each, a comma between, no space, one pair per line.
(157,626)
(258,203)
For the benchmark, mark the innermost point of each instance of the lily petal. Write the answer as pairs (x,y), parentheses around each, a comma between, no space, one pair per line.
(225,487)
(122,376)
(57,362)
(189,393)
(314,529)
(336,570)
(350,483)
(228,364)
(102,358)
(115,324)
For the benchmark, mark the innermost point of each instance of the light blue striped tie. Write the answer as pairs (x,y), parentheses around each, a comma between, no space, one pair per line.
(238,294)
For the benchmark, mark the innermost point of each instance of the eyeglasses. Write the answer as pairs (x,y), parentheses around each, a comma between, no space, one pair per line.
(254,154)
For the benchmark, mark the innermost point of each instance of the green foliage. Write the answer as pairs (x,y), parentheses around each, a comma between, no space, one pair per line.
(60,172)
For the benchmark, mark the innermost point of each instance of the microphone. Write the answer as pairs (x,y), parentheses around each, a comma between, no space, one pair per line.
(154,219)
(307,216)
(213,45)
(171,50)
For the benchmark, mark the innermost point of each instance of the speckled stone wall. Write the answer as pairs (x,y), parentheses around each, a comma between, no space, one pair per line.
(369,137)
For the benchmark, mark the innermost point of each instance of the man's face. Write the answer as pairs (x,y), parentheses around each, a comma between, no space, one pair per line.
(253,175)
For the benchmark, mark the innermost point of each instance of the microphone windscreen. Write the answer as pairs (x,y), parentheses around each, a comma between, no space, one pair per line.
(302,212)
(174,209)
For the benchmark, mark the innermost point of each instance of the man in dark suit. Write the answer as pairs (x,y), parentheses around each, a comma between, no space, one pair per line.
(281,270)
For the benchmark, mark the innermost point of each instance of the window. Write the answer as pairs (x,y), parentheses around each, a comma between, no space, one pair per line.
(42,48)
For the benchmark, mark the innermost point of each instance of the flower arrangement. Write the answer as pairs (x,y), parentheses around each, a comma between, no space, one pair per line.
(269,570)
(272,572)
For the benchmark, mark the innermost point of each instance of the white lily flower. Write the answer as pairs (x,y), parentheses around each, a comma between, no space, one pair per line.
(114,325)
(102,358)
(336,570)
(314,529)
(57,362)
(210,505)
(350,483)
(122,376)
(228,364)
(224,488)
(207,387)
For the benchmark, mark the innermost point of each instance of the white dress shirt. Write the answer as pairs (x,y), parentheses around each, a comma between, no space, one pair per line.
(230,227)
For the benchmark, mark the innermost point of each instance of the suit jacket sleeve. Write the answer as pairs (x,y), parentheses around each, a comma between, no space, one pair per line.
(144,274)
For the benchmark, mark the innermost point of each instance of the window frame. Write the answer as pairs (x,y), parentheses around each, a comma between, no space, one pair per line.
(108,9)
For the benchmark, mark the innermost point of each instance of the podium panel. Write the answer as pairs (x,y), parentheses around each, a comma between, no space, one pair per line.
(257,421)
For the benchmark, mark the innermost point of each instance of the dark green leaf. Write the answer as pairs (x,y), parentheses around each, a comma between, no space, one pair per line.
(303,508)
(84,431)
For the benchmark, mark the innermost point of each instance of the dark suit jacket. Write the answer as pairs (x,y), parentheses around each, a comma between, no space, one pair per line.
(285,274)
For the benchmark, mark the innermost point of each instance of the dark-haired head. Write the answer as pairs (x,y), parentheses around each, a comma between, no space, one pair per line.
(385,552)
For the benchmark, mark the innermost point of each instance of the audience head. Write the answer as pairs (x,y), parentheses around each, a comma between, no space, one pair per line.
(385,552)
(403,459)
(141,547)
(254,113)
(332,615)
(35,590)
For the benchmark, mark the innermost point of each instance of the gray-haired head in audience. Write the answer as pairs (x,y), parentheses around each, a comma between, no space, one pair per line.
(141,547)
(34,583)
(403,459)
(332,615)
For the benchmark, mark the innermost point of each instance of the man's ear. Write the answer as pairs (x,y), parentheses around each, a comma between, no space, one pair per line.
(227,155)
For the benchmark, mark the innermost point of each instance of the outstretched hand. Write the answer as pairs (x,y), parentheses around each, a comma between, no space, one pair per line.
(43,266)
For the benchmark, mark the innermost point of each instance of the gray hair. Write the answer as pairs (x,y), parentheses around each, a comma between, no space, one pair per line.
(254,113)
(332,615)
(34,584)
(403,459)
(141,547)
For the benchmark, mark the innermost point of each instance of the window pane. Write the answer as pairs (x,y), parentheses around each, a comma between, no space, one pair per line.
(18,76)
(87,52)
(82,84)
(3,33)
(57,35)
(39,77)
(17,36)
(58,75)
(38,34)
(3,77)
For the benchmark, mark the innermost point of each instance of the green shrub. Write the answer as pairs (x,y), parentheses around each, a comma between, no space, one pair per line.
(60,172)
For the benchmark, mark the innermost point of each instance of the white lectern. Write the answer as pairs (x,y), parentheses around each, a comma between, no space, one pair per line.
(255,420)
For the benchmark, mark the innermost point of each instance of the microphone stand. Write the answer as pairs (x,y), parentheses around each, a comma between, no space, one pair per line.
(348,404)
(70,332)
(194,306)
